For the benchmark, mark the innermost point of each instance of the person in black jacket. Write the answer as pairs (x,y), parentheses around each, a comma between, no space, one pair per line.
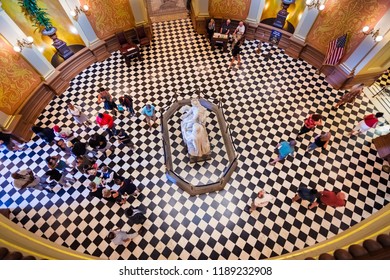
(236,55)
(46,133)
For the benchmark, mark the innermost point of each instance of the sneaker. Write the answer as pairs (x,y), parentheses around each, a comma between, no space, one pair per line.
(247,209)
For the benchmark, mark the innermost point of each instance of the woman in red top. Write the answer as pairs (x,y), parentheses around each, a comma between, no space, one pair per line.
(310,123)
(369,121)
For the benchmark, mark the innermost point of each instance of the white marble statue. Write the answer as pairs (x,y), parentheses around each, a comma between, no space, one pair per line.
(193,129)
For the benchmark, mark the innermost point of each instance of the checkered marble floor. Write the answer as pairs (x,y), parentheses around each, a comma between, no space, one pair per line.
(265,103)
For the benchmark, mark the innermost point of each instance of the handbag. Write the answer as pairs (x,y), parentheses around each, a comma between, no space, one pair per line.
(120,108)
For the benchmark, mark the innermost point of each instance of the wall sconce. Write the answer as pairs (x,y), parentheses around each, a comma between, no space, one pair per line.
(373,33)
(75,13)
(315,4)
(24,43)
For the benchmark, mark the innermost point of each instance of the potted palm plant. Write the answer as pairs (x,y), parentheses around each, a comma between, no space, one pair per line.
(40,19)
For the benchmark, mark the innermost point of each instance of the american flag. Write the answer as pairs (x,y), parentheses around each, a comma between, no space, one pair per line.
(335,50)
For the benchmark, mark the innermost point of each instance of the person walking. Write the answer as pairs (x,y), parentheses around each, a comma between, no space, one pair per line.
(369,121)
(310,123)
(307,194)
(149,111)
(236,55)
(120,237)
(331,198)
(106,122)
(284,149)
(78,115)
(320,141)
(261,200)
(350,97)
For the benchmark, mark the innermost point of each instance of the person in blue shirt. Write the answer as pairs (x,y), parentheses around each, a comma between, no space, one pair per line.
(284,149)
(150,114)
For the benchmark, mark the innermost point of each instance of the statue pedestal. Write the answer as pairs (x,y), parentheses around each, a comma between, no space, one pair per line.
(194,159)
(62,48)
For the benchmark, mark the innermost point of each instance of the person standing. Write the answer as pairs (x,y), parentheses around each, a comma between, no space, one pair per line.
(78,115)
(369,121)
(107,122)
(306,194)
(108,101)
(150,114)
(210,29)
(350,97)
(236,55)
(284,149)
(120,237)
(261,200)
(320,141)
(127,102)
(310,123)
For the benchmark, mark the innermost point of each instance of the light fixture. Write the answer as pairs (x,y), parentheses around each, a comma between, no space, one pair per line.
(24,43)
(373,33)
(318,4)
(75,13)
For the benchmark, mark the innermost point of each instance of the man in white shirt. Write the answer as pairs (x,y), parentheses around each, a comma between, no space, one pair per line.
(239,32)
(261,200)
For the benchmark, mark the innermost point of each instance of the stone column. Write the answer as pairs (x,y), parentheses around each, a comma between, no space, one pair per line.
(199,15)
(297,40)
(140,11)
(254,16)
(11,32)
(84,28)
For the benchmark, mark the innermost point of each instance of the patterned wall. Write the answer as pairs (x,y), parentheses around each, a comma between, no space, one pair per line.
(58,18)
(108,17)
(233,9)
(342,16)
(17,78)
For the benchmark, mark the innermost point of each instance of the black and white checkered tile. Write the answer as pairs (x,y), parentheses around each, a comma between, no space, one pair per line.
(265,102)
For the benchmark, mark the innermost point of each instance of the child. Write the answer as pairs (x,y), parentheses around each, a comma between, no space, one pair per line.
(124,139)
